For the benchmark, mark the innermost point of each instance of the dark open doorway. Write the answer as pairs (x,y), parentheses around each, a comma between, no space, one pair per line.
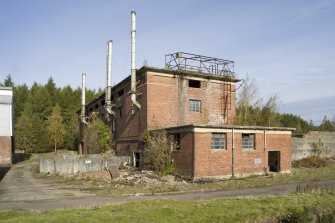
(137,159)
(274,161)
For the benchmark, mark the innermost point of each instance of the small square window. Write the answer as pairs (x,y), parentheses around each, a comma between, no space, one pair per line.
(195,105)
(194,83)
(121,92)
(248,141)
(219,141)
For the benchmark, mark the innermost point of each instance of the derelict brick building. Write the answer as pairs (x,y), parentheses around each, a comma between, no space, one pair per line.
(194,98)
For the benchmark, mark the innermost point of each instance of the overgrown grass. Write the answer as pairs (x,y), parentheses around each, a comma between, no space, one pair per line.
(120,187)
(297,207)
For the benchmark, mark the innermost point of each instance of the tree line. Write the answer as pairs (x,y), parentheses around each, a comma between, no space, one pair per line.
(254,111)
(44,112)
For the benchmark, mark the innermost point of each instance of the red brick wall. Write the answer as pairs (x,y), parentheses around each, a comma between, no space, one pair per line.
(282,143)
(183,158)
(216,163)
(168,102)
(5,150)
(208,162)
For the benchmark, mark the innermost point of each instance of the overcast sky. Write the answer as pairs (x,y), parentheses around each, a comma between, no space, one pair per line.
(287,46)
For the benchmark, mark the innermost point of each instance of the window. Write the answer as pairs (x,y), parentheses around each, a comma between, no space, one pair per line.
(195,105)
(176,138)
(96,106)
(218,141)
(248,141)
(194,83)
(119,112)
(121,92)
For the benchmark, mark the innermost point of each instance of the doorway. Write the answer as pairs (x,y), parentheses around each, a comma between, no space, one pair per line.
(274,161)
(137,157)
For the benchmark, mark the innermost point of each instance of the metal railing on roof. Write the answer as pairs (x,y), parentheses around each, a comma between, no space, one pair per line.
(197,63)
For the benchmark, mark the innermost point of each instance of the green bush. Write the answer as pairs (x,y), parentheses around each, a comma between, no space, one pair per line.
(313,161)
(157,152)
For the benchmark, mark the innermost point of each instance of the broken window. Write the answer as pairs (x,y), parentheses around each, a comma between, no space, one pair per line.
(195,105)
(176,138)
(194,83)
(248,141)
(121,92)
(119,112)
(219,141)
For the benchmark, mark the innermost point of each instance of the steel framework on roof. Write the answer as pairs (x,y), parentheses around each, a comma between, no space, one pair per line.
(198,63)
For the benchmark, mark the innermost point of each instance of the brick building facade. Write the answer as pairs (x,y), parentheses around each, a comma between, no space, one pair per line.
(200,108)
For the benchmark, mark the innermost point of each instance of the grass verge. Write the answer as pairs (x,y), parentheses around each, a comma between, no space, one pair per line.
(297,207)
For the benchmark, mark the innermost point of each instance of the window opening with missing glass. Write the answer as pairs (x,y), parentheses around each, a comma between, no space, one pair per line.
(195,105)
(176,138)
(119,112)
(121,92)
(194,83)
(248,141)
(219,141)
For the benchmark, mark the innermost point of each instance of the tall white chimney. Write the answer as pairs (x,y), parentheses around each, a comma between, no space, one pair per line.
(108,97)
(83,91)
(133,60)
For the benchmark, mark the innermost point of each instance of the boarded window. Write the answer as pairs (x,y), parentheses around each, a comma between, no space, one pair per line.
(248,141)
(195,105)
(194,83)
(218,141)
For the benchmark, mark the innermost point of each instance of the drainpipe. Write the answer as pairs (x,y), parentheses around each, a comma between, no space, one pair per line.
(232,154)
(133,61)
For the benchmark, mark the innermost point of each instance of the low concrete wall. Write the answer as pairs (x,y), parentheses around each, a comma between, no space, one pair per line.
(75,164)
(305,145)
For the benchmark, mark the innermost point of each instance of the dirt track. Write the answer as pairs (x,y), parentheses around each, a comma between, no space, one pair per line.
(19,190)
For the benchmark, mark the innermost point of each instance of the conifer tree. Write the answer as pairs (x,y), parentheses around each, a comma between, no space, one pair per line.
(23,130)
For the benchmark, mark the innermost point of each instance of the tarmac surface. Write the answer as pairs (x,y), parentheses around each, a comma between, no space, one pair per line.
(20,190)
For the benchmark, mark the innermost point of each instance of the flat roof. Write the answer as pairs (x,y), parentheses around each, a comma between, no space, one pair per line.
(191,126)
(6,88)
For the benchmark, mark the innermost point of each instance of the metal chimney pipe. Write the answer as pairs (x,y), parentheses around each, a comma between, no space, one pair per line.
(83,91)
(133,60)
(108,98)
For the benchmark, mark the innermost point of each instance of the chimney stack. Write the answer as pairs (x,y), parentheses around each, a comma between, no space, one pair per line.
(108,98)
(133,60)
(83,91)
